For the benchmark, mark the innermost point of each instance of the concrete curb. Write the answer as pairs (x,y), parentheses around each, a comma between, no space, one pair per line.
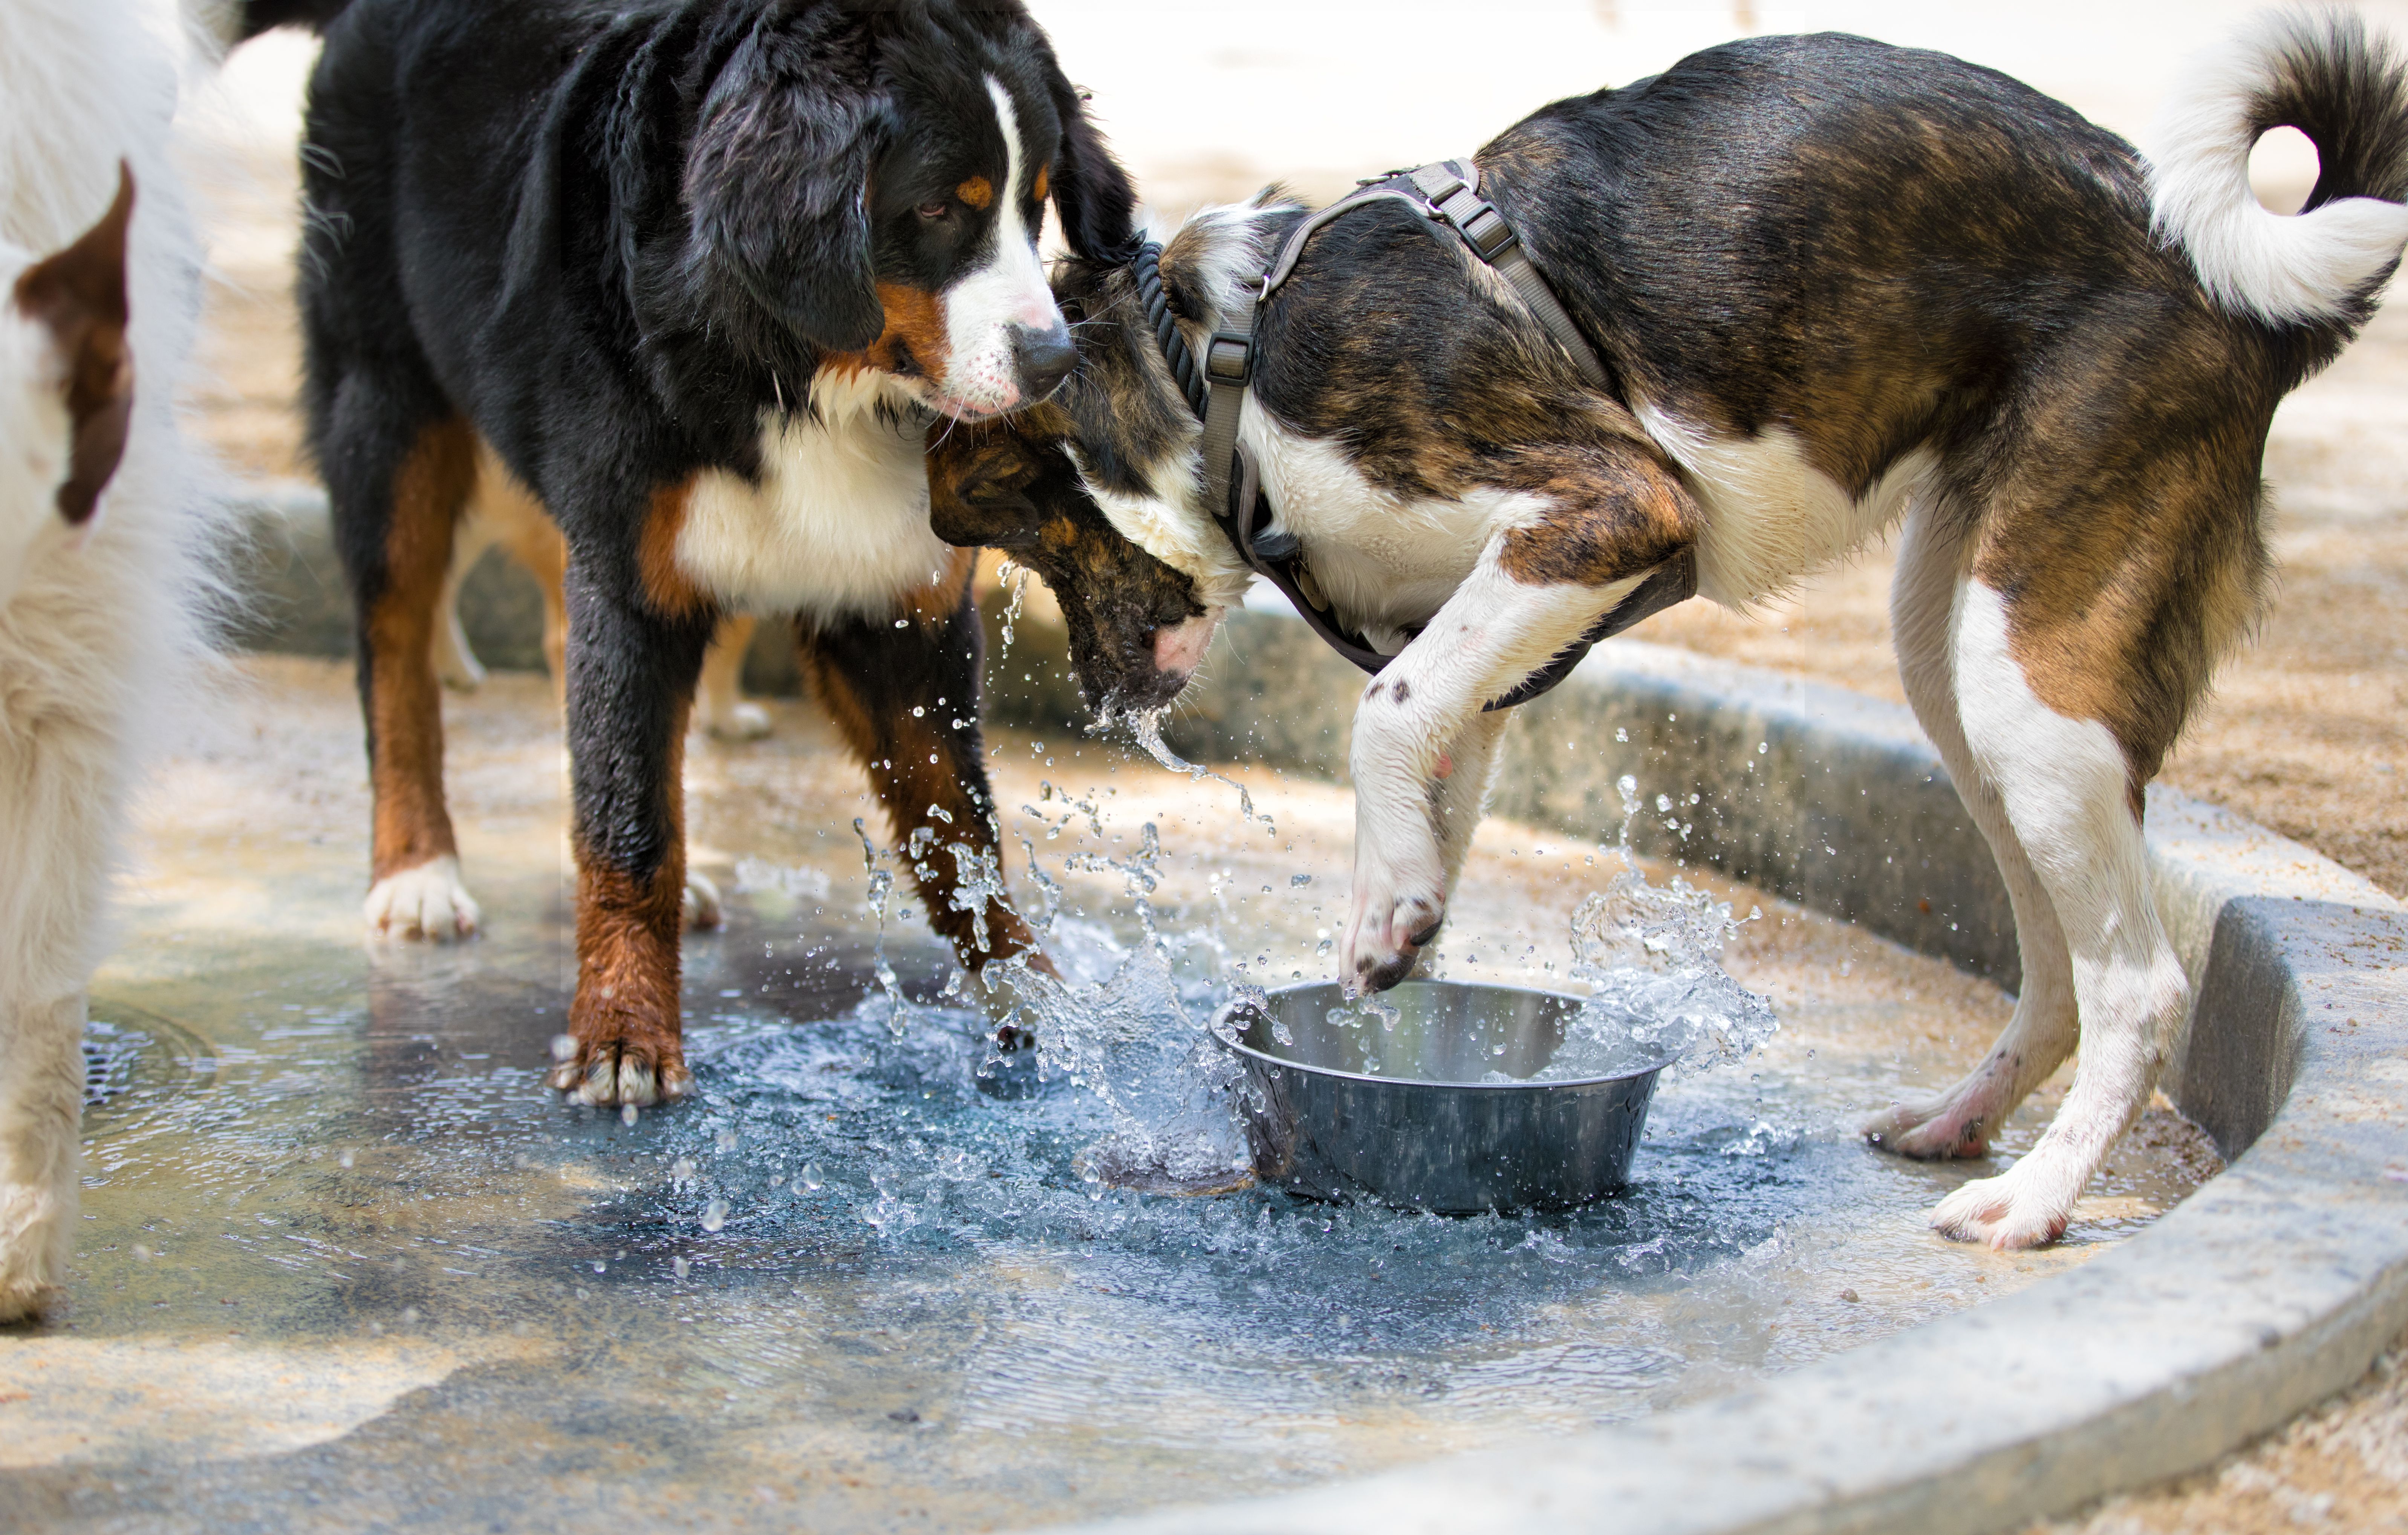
(2270,1288)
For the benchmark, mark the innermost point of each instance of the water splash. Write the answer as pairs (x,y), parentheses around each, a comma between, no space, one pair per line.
(881,892)
(1652,956)
(1013,579)
(1145,728)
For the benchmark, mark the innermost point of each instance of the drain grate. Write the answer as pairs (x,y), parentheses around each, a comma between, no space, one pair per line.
(131,1057)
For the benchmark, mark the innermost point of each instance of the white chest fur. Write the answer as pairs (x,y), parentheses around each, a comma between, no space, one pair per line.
(837,527)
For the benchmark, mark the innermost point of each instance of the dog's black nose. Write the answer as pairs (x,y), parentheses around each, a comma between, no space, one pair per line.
(1043,357)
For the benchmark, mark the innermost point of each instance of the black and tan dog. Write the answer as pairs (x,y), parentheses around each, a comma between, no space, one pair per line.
(1838,287)
(693,275)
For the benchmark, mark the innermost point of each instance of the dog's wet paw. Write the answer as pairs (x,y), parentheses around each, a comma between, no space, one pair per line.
(1385,939)
(617,1074)
(2007,1213)
(1930,1130)
(425,902)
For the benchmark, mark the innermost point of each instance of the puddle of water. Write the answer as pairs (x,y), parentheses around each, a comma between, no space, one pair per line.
(844,1285)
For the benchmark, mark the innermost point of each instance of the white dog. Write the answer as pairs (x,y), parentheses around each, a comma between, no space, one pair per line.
(105,525)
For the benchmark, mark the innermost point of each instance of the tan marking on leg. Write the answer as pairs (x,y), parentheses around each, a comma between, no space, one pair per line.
(404,703)
(667,588)
(626,1016)
(911,767)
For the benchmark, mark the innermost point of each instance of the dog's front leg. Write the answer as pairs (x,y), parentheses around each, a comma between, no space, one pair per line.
(1424,752)
(906,700)
(633,658)
(1594,519)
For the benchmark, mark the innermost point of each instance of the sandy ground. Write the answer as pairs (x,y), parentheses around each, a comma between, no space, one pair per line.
(2306,728)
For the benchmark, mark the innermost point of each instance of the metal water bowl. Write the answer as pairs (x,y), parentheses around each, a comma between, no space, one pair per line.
(1350,1108)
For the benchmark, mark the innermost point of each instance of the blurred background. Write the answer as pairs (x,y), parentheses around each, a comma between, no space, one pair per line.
(1210,102)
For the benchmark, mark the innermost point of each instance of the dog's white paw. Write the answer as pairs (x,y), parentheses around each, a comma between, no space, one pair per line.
(1391,922)
(700,905)
(426,902)
(740,722)
(1935,1128)
(2012,1212)
(33,1246)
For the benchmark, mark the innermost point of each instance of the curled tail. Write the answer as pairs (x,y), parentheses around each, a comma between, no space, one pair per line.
(2317,71)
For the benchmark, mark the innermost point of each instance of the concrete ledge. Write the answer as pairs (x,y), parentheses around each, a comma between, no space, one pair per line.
(2270,1288)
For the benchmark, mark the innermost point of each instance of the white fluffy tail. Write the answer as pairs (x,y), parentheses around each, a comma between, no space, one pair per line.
(2317,71)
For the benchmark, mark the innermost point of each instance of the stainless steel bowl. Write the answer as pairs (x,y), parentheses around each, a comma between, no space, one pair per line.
(1353,1110)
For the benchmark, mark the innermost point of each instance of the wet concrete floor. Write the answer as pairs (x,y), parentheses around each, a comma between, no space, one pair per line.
(345,1264)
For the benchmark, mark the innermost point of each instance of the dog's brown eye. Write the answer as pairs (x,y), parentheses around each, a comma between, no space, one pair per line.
(935,210)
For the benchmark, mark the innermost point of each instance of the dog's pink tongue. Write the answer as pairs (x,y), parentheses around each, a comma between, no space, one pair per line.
(1179,648)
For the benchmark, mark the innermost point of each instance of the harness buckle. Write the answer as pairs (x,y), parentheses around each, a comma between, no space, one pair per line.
(1229,357)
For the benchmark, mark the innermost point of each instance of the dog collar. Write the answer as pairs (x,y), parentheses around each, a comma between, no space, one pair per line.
(1446,195)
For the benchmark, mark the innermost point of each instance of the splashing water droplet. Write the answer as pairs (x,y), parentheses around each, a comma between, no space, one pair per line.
(812,1178)
(681,1267)
(714,1214)
(1145,726)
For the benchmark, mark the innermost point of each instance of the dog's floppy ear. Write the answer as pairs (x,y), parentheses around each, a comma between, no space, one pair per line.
(777,178)
(79,295)
(1092,193)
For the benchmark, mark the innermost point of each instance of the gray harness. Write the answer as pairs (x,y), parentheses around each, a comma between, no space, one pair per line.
(1447,195)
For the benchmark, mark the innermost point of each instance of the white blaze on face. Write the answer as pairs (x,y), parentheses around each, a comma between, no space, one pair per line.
(1007,291)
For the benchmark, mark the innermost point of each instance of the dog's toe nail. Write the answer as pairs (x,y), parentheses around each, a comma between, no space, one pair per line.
(1422,938)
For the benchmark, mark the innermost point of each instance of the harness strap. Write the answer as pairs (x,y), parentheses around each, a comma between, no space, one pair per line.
(1445,192)
(1453,188)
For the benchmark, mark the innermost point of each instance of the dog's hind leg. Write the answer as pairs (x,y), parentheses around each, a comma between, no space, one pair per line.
(1933,554)
(720,707)
(906,701)
(394,531)
(2080,633)
(41,1097)
(456,666)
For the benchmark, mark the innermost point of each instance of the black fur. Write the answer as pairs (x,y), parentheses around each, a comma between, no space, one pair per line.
(258,16)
